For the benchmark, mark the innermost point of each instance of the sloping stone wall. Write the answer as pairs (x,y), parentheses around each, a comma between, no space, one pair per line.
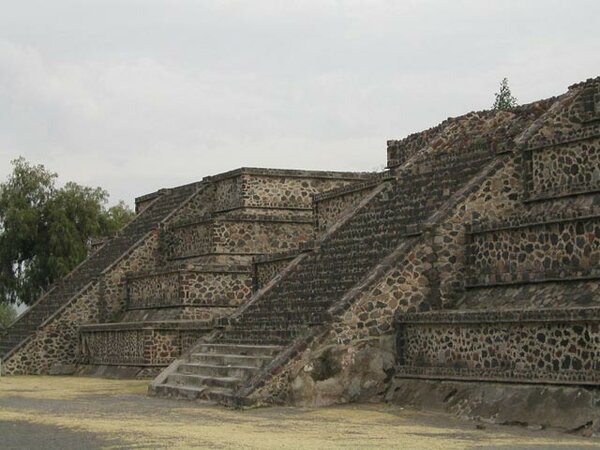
(229,194)
(113,285)
(400,151)
(54,347)
(198,206)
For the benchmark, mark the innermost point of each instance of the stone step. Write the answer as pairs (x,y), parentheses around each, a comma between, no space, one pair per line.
(250,335)
(212,370)
(240,349)
(307,313)
(186,379)
(179,392)
(267,340)
(219,395)
(230,359)
(214,395)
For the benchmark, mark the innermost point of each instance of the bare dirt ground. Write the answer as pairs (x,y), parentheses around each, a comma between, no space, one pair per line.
(89,413)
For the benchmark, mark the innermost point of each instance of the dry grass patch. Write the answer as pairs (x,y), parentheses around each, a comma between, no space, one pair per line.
(120,409)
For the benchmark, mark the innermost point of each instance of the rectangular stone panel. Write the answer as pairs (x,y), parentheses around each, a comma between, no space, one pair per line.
(560,249)
(135,344)
(238,236)
(564,169)
(114,347)
(259,237)
(148,290)
(229,194)
(208,286)
(527,346)
(188,240)
(286,192)
(275,189)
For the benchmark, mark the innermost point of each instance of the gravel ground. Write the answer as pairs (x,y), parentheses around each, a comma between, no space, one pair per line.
(90,413)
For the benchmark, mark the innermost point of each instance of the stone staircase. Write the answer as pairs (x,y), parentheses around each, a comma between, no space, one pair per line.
(215,371)
(205,269)
(302,297)
(88,271)
(352,251)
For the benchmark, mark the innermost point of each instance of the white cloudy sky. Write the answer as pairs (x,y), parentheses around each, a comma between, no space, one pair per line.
(134,95)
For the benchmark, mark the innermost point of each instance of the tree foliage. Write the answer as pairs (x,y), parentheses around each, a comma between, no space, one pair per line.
(45,229)
(115,217)
(504,98)
(8,314)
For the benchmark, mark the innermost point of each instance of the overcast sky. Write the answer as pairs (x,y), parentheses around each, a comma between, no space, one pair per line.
(134,95)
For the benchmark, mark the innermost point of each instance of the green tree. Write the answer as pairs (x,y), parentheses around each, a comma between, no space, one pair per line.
(8,314)
(115,217)
(504,98)
(44,230)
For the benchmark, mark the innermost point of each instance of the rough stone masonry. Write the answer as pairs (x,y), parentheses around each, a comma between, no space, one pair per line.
(468,269)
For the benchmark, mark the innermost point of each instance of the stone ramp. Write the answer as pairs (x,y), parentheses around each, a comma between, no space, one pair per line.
(88,271)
